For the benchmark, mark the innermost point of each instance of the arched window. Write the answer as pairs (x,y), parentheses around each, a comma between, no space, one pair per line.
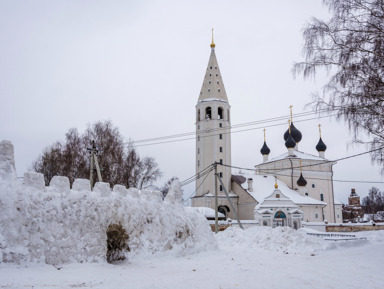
(265,223)
(321,197)
(198,116)
(208,113)
(280,215)
(220,113)
(224,210)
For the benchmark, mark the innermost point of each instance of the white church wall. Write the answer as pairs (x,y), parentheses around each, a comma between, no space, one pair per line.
(319,178)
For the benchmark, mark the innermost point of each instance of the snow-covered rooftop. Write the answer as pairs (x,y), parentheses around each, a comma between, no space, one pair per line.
(299,155)
(263,187)
(207,212)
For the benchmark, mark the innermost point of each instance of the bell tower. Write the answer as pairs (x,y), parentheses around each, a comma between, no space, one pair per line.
(213,135)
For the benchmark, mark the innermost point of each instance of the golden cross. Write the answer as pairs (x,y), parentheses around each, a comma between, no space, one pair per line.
(212,35)
(290,108)
(264,134)
(289,125)
(319,129)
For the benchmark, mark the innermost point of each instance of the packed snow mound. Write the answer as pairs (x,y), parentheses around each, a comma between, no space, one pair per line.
(56,224)
(206,212)
(283,239)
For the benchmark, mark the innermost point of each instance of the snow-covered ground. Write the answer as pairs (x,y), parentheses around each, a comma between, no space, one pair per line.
(254,258)
(57,237)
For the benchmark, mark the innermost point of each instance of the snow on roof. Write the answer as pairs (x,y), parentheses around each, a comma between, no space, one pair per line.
(298,154)
(207,212)
(263,187)
(265,211)
(212,99)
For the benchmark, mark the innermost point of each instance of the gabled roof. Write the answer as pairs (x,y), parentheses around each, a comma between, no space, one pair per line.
(277,200)
(263,186)
(213,86)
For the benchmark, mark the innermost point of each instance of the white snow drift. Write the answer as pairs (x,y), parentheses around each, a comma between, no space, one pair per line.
(56,224)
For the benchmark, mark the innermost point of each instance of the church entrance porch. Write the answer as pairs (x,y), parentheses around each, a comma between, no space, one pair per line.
(279,220)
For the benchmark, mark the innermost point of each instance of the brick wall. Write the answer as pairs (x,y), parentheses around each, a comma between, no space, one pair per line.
(354,228)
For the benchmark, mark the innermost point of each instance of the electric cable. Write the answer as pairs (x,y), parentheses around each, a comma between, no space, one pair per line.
(230,132)
(198,186)
(233,126)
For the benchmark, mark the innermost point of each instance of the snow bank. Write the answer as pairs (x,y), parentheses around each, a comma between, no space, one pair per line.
(206,212)
(56,224)
(283,239)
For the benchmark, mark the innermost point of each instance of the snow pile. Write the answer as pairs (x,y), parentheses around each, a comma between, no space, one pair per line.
(57,225)
(206,212)
(283,239)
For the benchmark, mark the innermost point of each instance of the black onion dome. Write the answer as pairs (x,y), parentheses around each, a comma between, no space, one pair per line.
(290,143)
(265,149)
(301,182)
(296,134)
(321,147)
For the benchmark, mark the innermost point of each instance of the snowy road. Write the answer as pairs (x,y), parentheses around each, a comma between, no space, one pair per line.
(243,260)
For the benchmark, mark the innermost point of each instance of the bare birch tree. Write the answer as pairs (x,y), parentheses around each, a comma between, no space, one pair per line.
(350,47)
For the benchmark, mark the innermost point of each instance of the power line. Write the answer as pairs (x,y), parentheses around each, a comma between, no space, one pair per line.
(195,177)
(233,126)
(311,165)
(207,174)
(268,171)
(205,134)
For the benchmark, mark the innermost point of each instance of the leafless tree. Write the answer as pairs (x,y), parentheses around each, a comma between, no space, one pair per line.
(374,202)
(48,163)
(350,47)
(119,164)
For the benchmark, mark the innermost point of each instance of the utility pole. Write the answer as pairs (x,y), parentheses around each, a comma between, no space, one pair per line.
(94,151)
(216,203)
(229,199)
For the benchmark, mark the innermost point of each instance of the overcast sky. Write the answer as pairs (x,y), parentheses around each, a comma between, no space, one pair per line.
(141,64)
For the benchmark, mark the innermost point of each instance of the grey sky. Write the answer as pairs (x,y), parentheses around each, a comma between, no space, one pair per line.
(141,64)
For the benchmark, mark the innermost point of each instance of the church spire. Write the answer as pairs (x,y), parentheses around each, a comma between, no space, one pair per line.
(213,86)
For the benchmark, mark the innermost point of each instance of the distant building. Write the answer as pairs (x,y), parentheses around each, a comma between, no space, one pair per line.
(353,212)
(284,190)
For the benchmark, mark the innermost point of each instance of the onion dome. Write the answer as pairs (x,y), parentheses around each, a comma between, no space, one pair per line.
(296,134)
(321,147)
(265,149)
(301,182)
(290,143)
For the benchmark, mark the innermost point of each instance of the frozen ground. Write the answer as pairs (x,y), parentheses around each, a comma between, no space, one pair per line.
(254,258)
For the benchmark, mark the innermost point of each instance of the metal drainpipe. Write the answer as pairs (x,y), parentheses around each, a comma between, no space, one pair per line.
(291,173)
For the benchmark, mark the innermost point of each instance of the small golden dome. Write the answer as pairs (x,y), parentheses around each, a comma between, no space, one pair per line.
(213,45)
(276,186)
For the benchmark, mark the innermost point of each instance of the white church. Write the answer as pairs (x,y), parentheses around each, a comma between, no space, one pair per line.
(286,190)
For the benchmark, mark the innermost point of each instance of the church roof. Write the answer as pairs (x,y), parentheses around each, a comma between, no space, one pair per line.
(321,147)
(213,86)
(298,154)
(301,182)
(296,134)
(263,186)
(265,149)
